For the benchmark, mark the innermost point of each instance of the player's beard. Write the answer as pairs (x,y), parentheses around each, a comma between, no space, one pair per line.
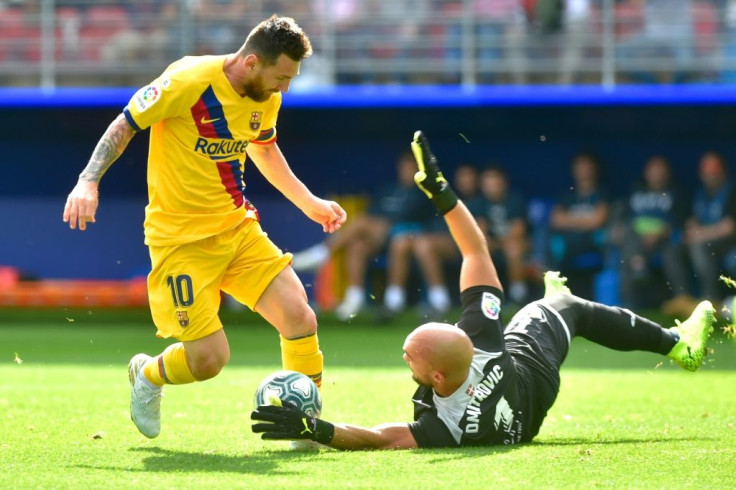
(254,90)
(420,382)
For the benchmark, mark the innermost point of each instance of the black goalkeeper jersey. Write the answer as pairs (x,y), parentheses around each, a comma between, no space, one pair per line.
(512,382)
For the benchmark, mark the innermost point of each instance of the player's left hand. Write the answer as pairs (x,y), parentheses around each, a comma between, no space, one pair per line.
(284,422)
(327,213)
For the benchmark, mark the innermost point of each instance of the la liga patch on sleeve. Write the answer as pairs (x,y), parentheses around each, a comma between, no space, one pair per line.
(490,304)
(148,95)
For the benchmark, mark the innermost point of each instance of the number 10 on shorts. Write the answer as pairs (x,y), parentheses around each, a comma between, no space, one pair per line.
(181,289)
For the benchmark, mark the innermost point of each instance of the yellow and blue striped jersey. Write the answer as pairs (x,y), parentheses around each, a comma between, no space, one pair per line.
(200,128)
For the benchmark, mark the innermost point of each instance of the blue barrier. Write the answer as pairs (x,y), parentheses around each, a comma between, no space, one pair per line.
(40,245)
(429,96)
(341,141)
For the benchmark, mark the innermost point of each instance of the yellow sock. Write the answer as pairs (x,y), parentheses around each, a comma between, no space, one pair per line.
(303,355)
(170,367)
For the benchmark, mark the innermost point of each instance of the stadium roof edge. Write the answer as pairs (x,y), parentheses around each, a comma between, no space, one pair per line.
(407,96)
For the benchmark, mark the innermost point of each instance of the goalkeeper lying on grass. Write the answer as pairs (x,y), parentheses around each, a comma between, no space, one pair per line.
(481,384)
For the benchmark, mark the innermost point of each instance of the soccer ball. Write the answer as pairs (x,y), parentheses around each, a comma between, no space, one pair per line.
(293,387)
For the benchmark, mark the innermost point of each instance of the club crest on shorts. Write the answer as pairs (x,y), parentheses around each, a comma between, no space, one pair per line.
(256,118)
(183,318)
(490,304)
(251,211)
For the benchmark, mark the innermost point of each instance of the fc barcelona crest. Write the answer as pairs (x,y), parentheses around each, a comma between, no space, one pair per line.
(256,118)
(183,318)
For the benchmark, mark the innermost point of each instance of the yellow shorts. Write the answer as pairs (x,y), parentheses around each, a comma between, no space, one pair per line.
(185,280)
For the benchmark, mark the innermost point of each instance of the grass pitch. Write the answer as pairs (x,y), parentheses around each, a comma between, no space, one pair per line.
(621,420)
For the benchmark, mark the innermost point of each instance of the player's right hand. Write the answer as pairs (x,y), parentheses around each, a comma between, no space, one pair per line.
(327,213)
(283,421)
(429,177)
(286,421)
(81,205)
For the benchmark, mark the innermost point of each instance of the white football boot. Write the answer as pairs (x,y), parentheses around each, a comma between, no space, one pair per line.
(145,401)
(352,304)
(311,259)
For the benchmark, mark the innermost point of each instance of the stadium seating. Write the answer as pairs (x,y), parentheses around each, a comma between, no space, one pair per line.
(20,36)
(67,33)
(101,23)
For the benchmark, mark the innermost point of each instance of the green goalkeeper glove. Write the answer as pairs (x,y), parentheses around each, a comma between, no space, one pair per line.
(429,177)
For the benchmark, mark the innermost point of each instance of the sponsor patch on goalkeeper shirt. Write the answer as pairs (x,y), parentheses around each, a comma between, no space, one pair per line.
(490,305)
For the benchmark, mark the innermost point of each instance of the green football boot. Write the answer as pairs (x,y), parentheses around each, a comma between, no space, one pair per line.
(690,350)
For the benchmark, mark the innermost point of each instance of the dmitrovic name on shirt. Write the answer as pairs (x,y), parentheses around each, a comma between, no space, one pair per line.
(482,391)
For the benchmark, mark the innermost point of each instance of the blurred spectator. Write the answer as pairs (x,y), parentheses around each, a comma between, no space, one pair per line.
(132,32)
(706,27)
(729,44)
(664,46)
(575,38)
(343,13)
(408,241)
(435,248)
(218,25)
(651,236)
(500,33)
(318,70)
(466,183)
(577,226)
(710,232)
(20,32)
(503,218)
(68,31)
(381,41)
(399,211)
(378,37)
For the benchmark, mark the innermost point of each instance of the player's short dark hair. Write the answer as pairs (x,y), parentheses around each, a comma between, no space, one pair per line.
(467,165)
(591,158)
(658,157)
(497,169)
(276,36)
(718,156)
(406,156)
(587,156)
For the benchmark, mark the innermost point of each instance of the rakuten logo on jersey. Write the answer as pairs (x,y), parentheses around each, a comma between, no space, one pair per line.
(220,148)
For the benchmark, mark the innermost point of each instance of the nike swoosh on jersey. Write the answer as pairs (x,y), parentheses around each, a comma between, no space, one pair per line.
(208,121)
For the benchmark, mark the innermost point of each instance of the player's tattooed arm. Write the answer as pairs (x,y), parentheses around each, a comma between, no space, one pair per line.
(81,205)
(108,149)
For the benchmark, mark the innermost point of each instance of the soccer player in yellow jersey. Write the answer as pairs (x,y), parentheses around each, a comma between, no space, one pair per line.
(206,113)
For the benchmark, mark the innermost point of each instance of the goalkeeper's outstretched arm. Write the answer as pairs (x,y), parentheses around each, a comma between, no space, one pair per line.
(477,267)
(287,422)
